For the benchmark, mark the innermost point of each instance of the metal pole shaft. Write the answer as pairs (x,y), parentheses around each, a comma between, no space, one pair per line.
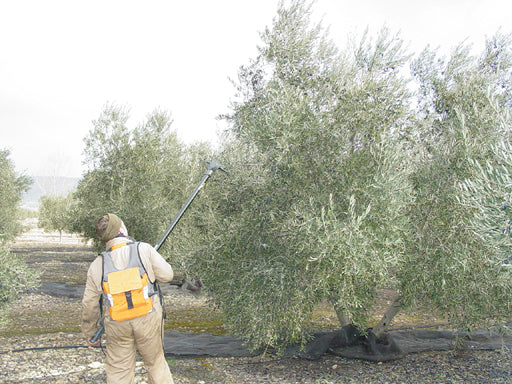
(213,166)
(182,210)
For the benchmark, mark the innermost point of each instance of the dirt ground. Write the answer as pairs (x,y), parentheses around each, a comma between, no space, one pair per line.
(43,342)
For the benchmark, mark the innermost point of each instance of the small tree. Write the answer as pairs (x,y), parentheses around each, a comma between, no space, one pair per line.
(128,169)
(15,276)
(55,213)
(12,187)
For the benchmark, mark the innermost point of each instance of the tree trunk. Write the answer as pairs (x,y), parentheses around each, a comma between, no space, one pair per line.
(342,318)
(341,313)
(383,324)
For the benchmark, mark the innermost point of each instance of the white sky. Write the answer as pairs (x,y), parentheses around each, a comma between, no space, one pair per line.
(61,61)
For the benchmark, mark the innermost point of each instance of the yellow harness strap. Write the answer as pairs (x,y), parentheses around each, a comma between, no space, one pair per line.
(117,246)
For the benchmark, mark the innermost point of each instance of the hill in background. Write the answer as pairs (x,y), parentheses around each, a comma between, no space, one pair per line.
(47,185)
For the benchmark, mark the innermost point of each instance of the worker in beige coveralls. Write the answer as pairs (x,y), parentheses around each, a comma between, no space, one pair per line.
(123,337)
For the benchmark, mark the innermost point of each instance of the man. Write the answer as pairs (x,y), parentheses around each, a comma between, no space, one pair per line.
(124,275)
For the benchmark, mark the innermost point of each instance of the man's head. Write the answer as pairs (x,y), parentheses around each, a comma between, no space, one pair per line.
(109,226)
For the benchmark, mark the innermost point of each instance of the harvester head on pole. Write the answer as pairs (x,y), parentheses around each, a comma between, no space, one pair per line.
(213,165)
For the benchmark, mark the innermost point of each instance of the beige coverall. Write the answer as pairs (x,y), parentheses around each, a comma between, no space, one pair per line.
(143,333)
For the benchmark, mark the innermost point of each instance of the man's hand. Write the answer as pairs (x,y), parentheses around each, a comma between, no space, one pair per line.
(96,344)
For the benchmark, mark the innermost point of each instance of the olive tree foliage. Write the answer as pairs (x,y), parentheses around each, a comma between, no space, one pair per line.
(15,276)
(12,187)
(464,104)
(142,174)
(55,213)
(314,205)
(489,194)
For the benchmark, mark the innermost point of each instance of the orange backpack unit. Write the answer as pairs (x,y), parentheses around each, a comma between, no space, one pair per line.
(128,291)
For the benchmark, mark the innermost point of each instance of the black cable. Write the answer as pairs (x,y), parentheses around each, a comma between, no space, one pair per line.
(46,348)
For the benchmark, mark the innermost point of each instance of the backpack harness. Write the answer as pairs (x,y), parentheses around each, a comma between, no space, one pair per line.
(128,292)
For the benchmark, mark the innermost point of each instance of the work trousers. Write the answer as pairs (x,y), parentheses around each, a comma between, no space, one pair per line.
(143,334)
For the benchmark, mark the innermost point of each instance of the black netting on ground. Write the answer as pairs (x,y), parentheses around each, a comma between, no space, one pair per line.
(347,342)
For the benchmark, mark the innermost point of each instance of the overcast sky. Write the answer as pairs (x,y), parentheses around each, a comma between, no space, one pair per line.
(61,61)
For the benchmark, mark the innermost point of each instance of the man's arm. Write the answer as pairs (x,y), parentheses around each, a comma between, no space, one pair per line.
(161,268)
(91,299)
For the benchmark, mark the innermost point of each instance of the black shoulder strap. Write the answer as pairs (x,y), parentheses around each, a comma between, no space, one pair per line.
(101,296)
(143,266)
(155,284)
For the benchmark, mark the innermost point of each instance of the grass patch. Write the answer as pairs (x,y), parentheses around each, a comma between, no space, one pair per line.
(196,320)
(42,314)
(38,323)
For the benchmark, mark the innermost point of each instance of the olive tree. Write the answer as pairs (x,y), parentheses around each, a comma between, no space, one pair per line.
(314,206)
(12,187)
(143,174)
(15,276)
(55,213)
(449,266)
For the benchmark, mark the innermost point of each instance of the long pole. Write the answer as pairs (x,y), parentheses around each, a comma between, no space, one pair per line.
(212,167)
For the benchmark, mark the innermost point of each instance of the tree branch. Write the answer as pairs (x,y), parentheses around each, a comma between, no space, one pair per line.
(391,312)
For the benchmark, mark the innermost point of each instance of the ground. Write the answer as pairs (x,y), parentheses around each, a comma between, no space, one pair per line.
(43,343)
